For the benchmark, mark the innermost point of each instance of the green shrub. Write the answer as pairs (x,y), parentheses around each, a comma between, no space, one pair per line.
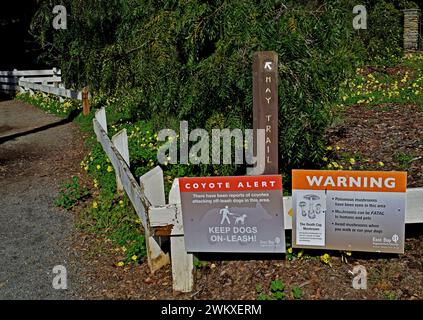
(383,44)
(168,61)
(71,193)
(111,214)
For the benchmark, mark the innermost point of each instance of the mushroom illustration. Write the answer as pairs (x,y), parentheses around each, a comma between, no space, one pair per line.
(311,198)
(318,208)
(302,205)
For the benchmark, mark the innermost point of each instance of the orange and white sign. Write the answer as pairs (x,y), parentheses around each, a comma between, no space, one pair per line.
(349,210)
(371,181)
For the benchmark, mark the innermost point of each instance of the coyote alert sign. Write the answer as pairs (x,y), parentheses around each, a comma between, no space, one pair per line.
(349,210)
(233,214)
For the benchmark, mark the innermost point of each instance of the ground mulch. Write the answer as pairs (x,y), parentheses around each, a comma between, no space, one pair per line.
(383,133)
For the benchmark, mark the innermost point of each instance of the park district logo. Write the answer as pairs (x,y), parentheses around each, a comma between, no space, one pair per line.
(233,214)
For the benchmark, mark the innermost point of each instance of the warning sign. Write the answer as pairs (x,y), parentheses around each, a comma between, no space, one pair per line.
(349,210)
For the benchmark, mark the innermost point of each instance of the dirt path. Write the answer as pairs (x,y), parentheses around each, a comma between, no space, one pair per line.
(34,234)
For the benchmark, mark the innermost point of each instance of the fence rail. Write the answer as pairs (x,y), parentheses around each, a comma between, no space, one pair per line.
(24,85)
(9,80)
(47,81)
(156,257)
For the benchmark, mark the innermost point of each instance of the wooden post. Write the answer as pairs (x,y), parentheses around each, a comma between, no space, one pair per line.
(120,141)
(152,186)
(85,101)
(182,262)
(265,106)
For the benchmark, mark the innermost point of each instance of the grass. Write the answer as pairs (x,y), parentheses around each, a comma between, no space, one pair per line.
(71,193)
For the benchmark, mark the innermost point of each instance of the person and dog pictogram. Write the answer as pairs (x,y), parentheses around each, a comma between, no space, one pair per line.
(226,214)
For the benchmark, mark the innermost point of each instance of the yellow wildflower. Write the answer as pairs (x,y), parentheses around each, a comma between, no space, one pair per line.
(120,264)
(95,205)
(109,169)
(134,257)
(325,259)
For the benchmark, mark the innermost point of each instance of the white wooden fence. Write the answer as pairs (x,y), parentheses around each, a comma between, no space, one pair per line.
(9,80)
(161,219)
(26,85)
(120,161)
(47,81)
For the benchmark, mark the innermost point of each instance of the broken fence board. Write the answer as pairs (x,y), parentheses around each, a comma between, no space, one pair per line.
(156,257)
(131,187)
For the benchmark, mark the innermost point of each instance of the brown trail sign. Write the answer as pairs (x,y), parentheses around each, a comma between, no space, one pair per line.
(265,105)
